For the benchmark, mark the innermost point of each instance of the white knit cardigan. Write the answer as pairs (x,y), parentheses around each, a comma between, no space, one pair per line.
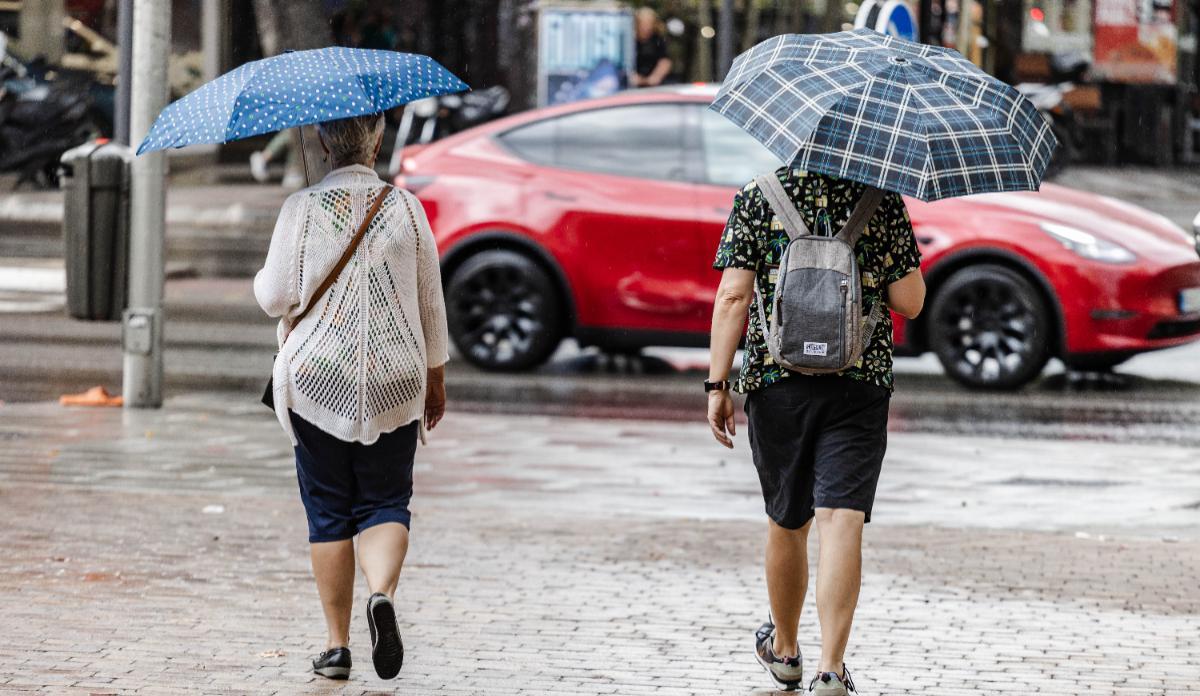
(356,365)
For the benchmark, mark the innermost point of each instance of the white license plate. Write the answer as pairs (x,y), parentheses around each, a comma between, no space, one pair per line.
(1189,301)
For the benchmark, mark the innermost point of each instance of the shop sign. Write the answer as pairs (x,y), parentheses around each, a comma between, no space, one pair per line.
(1136,41)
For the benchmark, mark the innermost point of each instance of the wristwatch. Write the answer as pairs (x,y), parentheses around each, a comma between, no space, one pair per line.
(723,385)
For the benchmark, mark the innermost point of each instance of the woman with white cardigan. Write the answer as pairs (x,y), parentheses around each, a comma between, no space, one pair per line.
(359,374)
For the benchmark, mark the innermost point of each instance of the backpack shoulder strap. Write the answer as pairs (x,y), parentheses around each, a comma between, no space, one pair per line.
(777,197)
(863,212)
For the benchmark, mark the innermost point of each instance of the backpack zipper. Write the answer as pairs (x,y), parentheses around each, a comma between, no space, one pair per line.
(845,285)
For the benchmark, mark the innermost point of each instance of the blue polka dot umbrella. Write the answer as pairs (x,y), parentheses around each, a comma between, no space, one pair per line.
(295,89)
(897,115)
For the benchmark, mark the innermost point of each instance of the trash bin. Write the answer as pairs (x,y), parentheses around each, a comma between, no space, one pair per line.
(95,181)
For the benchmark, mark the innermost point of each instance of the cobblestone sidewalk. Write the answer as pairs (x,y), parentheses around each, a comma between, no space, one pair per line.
(164,553)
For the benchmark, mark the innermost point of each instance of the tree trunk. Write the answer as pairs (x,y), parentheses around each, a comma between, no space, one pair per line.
(834,15)
(753,17)
(288,25)
(704,64)
(291,25)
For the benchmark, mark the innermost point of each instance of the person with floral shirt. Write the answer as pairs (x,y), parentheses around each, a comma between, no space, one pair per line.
(818,441)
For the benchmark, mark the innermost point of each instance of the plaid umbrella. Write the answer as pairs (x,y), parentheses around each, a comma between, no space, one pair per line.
(897,115)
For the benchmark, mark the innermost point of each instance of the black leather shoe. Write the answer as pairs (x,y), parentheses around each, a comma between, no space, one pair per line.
(333,663)
(387,650)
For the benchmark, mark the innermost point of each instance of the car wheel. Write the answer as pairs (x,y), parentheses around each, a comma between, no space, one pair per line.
(990,328)
(504,311)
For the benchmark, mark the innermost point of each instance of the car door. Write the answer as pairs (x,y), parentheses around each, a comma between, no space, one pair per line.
(616,191)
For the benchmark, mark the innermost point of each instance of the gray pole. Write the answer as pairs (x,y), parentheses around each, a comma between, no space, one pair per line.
(212,24)
(143,326)
(124,70)
(726,35)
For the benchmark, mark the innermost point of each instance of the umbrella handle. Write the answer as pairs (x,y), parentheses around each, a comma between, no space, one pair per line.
(304,158)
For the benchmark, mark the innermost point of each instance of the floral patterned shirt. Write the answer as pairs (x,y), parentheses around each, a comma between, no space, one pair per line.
(754,240)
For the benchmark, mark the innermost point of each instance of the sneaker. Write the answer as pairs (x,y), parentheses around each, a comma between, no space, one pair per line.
(333,663)
(258,167)
(787,672)
(830,684)
(387,650)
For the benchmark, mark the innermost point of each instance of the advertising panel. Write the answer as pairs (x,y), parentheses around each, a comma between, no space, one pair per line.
(584,51)
(1136,41)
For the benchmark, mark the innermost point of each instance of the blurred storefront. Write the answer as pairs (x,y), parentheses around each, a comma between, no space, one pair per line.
(1131,65)
(1136,100)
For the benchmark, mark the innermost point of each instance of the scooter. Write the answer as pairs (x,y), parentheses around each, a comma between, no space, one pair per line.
(40,119)
(1066,69)
(427,120)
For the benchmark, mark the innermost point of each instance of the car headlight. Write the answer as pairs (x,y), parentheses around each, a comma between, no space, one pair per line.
(1196,231)
(1088,245)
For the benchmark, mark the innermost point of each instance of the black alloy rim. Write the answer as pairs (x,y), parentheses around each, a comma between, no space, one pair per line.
(989,330)
(499,314)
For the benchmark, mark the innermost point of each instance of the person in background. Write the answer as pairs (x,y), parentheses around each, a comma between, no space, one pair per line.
(280,144)
(653,65)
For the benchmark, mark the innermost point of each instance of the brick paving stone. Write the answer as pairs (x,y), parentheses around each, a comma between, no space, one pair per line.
(549,556)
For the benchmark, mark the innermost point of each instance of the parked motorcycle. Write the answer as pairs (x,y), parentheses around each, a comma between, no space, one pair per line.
(1066,69)
(41,118)
(427,120)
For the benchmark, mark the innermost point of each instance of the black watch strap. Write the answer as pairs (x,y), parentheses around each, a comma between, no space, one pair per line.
(723,385)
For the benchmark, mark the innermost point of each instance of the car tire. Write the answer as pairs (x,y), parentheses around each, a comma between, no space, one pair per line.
(504,311)
(990,328)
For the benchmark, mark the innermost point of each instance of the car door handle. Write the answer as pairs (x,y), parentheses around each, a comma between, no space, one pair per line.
(559,197)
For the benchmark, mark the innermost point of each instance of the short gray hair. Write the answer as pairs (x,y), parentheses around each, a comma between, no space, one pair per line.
(352,139)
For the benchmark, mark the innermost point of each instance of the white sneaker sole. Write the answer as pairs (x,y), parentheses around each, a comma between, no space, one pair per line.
(334,672)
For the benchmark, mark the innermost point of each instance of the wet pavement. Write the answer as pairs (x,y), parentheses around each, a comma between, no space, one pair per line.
(576,530)
(559,555)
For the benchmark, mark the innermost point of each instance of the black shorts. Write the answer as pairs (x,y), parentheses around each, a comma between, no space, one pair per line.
(817,442)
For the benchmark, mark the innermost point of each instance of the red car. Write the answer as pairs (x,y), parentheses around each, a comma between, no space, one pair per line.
(599,220)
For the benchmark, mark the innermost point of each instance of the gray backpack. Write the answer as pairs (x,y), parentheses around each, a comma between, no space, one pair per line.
(817,324)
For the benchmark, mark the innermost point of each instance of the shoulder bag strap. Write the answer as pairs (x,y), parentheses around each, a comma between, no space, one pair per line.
(863,212)
(346,255)
(781,204)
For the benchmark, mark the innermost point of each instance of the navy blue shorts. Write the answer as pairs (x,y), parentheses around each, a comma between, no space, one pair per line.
(348,486)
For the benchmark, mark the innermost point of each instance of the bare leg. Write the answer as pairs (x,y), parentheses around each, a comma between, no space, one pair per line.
(381,552)
(333,566)
(787,582)
(838,578)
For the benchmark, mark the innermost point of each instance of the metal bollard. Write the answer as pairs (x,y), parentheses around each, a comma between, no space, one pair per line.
(95,181)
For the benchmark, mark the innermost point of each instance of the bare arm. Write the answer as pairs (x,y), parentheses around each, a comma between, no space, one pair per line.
(729,320)
(906,296)
(660,72)
(435,396)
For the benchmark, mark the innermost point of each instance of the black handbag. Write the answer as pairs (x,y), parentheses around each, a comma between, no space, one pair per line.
(268,397)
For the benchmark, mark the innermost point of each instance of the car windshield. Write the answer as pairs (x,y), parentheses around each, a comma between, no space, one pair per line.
(732,157)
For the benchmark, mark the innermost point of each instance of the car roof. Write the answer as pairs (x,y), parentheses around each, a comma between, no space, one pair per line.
(700,93)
